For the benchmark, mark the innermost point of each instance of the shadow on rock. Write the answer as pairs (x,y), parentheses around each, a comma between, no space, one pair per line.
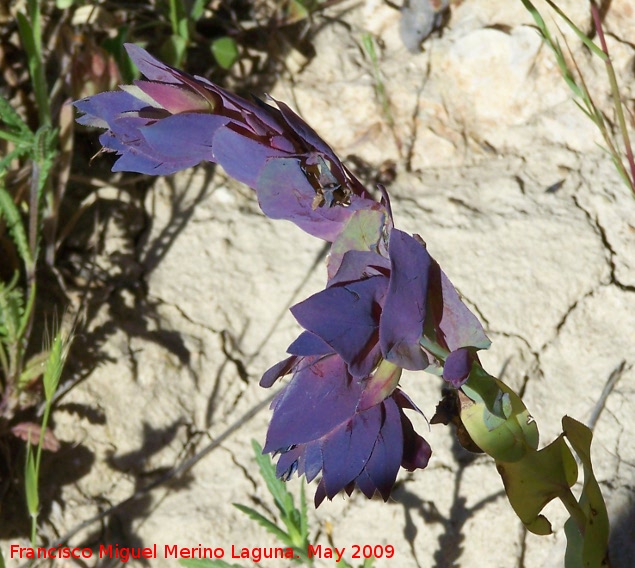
(64,467)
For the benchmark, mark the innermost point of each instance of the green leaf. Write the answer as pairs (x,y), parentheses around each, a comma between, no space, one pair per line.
(198,7)
(33,369)
(63,4)
(296,11)
(173,50)
(591,549)
(225,51)
(206,563)
(266,523)
(13,120)
(10,212)
(11,310)
(281,496)
(304,519)
(536,479)
(31,483)
(498,421)
(31,41)
(115,46)
(54,366)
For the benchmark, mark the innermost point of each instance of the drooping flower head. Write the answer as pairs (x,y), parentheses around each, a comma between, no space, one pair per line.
(387,305)
(385,309)
(171,121)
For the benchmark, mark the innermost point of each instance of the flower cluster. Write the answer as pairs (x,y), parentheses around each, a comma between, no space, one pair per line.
(387,305)
(173,121)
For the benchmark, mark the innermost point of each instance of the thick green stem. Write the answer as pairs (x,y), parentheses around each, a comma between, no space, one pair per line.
(575,511)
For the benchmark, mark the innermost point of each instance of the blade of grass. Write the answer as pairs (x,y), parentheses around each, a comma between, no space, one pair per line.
(30,34)
(583,37)
(615,92)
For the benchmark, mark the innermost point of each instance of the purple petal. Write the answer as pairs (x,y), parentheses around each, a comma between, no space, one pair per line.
(457,366)
(306,133)
(404,311)
(101,110)
(365,484)
(163,146)
(175,98)
(416,451)
(284,192)
(309,344)
(456,325)
(404,401)
(288,463)
(346,318)
(185,135)
(318,400)
(384,462)
(320,494)
(357,265)
(152,68)
(311,460)
(242,157)
(363,232)
(347,449)
(278,370)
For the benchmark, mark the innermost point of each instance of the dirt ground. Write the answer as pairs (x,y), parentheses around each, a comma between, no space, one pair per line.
(503,177)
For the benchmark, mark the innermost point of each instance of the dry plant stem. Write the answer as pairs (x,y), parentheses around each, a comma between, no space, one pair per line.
(617,103)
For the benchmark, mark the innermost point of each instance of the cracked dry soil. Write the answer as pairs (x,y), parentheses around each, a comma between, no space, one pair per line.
(502,176)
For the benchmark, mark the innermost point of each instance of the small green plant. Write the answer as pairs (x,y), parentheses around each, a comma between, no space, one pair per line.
(622,158)
(22,219)
(50,380)
(291,528)
(182,21)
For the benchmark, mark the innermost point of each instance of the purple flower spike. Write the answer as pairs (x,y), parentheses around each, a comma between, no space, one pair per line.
(171,121)
(317,426)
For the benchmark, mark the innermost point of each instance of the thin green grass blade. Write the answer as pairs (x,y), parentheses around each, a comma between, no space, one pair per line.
(594,48)
(29,34)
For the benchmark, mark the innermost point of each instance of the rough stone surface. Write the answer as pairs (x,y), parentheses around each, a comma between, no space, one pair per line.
(501,175)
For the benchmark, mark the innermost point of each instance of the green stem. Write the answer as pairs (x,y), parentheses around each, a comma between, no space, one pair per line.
(433,347)
(615,92)
(38,461)
(4,362)
(575,511)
